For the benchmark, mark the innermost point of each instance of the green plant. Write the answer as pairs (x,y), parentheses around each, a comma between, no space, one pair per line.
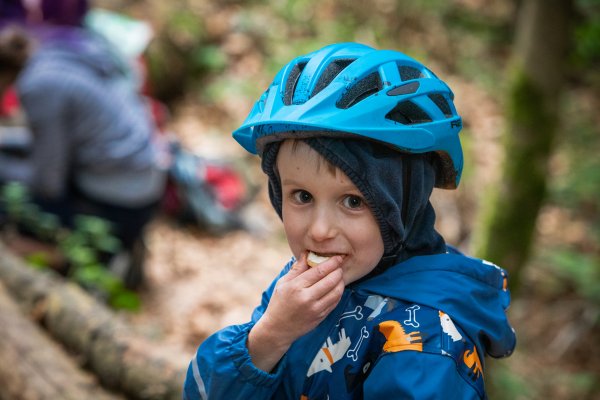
(87,247)
(14,197)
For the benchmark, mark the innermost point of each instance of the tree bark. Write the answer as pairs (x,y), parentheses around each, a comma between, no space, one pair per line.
(34,367)
(105,344)
(510,211)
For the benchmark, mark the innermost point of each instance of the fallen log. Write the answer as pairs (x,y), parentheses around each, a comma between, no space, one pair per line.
(105,344)
(34,367)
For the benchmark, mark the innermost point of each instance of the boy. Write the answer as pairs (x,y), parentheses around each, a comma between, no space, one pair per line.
(353,141)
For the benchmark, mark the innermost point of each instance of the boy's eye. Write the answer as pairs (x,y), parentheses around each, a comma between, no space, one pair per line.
(353,201)
(302,196)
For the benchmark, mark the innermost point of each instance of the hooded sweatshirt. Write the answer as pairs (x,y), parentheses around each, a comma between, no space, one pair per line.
(417,327)
(89,124)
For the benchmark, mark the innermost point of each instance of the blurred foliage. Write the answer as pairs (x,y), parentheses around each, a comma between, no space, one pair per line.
(198,40)
(224,54)
(86,247)
(578,272)
(580,181)
(586,53)
(508,384)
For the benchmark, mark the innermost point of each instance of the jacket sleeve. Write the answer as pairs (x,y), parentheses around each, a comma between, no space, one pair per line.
(46,105)
(222,368)
(417,375)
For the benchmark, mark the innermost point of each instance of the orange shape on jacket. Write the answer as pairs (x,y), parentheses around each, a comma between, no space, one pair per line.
(397,339)
(471,359)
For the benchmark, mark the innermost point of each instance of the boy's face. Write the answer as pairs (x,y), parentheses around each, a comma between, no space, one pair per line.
(325,213)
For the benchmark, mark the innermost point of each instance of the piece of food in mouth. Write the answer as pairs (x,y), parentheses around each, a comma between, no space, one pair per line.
(314,259)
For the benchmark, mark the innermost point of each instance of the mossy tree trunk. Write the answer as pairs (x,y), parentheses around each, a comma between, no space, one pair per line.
(533,111)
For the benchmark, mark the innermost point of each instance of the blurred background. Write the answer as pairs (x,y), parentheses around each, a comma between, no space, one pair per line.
(526,79)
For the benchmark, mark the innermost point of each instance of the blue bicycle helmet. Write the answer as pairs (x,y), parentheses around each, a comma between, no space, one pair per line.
(350,89)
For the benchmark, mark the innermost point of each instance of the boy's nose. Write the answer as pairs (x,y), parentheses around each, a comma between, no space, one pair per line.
(322,227)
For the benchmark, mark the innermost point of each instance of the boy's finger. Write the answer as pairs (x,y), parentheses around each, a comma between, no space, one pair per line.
(326,285)
(332,295)
(318,272)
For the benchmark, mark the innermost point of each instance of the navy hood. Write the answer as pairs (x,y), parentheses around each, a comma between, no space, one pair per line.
(396,186)
(473,292)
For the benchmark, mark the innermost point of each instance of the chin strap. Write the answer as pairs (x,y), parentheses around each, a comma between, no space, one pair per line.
(385,263)
(389,260)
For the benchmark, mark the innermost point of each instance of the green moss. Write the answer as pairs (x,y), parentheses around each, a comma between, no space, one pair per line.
(510,211)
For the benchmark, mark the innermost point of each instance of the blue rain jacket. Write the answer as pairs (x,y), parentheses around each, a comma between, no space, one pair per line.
(420,330)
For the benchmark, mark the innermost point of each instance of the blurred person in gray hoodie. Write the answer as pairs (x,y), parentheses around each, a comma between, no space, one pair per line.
(93,149)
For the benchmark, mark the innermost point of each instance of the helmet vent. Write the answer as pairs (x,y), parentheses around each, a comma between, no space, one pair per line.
(406,88)
(408,113)
(442,104)
(290,85)
(362,89)
(407,73)
(332,70)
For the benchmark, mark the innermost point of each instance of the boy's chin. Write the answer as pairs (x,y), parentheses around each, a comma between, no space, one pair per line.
(352,275)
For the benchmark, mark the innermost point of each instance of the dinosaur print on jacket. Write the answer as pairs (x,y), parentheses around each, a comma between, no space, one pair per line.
(329,354)
(397,339)
(471,359)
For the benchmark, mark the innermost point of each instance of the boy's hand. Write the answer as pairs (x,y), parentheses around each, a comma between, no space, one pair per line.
(301,300)
(304,297)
